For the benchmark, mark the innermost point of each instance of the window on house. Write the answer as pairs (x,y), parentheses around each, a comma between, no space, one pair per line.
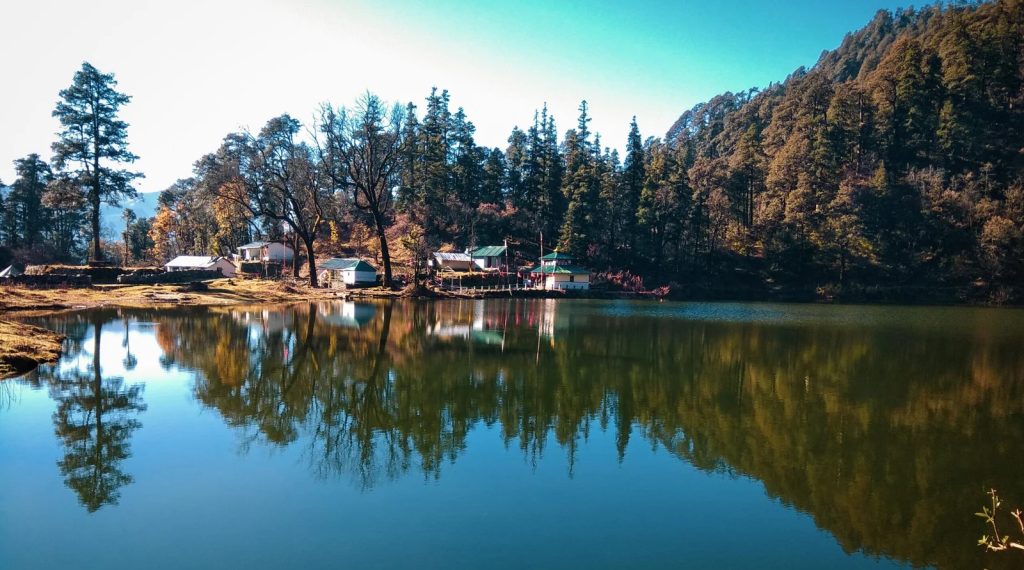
(572,278)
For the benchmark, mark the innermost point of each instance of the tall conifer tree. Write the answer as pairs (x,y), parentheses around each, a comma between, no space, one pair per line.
(93,142)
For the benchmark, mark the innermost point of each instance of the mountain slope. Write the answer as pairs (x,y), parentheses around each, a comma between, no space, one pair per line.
(897,160)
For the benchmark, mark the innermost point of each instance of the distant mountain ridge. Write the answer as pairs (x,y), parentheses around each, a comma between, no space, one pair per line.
(144,206)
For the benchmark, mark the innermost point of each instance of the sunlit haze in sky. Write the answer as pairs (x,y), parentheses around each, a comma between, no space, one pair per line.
(198,70)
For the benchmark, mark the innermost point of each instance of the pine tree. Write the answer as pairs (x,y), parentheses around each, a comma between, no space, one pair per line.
(492,185)
(581,188)
(6,218)
(466,172)
(436,176)
(611,208)
(25,201)
(65,206)
(551,169)
(633,178)
(94,141)
(410,190)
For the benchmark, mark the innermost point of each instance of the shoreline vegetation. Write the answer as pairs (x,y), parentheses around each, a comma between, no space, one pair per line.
(23,346)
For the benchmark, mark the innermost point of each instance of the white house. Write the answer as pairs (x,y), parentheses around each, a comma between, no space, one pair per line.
(269,251)
(489,257)
(556,271)
(201,262)
(350,272)
(451,260)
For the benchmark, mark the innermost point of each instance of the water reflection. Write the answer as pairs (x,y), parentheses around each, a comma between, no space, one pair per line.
(96,414)
(885,426)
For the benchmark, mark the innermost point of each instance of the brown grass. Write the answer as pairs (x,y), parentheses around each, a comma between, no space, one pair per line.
(217,292)
(23,347)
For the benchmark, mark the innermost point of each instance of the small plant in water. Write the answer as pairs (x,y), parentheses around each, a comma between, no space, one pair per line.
(999,542)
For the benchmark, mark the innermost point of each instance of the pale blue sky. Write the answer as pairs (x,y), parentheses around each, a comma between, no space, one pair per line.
(199,69)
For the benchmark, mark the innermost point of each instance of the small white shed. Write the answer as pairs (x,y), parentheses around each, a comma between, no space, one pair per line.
(350,272)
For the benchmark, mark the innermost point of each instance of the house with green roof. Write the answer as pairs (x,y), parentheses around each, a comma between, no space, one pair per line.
(489,257)
(347,272)
(558,270)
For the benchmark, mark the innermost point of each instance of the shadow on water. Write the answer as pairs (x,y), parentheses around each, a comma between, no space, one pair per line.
(886,426)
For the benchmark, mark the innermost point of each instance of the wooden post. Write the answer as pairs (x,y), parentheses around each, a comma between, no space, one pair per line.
(541,260)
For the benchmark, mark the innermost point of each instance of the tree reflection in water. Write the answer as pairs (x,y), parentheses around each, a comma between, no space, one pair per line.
(886,428)
(94,419)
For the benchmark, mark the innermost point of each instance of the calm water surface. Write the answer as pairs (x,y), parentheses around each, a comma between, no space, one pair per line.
(514,434)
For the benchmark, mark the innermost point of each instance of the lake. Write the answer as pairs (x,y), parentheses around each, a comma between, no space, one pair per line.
(515,434)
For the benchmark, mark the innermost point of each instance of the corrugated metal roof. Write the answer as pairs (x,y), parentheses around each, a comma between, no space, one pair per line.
(452,256)
(346,263)
(570,269)
(254,245)
(489,251)
(192,261)
(558,255)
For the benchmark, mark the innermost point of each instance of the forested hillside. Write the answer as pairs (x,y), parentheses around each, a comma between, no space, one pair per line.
(895,161)
(892,169)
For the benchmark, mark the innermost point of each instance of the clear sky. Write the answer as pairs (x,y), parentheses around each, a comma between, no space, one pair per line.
(198,69)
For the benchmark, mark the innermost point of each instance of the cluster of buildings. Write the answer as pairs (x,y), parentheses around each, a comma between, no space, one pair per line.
(554,271)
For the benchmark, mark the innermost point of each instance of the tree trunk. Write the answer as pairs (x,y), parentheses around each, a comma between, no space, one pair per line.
(96,186)
(384,255)
(311,262)
(97,383)
(295,258)
(97,253)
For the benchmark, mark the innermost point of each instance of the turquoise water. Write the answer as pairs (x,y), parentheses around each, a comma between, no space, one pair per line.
(510,434)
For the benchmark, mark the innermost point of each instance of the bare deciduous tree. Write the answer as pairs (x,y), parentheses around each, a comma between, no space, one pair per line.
(277,178)
(360,151)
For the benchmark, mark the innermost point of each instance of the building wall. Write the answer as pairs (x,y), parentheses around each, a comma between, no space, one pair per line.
(272,252)
(487,262)
(227,269)
(359,277)
(279,252)
(453,265)
(336,278)
(561,281)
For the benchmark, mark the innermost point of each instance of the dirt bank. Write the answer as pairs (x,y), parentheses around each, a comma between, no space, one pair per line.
(23,347)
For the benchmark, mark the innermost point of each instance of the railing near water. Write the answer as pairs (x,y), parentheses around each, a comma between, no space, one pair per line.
(509,287)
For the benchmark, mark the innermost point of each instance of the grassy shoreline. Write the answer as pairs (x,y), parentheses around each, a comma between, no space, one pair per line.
(23,346)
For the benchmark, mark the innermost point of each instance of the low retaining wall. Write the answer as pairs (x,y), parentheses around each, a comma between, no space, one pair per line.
(169,277)
(98,274)
(51,281)
(261,269)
